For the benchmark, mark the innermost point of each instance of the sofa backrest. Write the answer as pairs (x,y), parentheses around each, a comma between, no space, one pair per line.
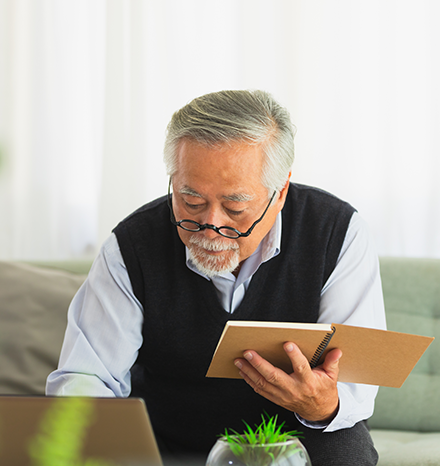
(33,317)
(412,302)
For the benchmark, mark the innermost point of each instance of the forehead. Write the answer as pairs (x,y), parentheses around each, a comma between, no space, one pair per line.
(237,165)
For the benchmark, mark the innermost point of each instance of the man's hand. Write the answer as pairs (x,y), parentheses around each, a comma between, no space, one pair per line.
(311,393)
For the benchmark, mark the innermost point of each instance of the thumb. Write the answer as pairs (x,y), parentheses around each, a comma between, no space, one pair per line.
(331,362)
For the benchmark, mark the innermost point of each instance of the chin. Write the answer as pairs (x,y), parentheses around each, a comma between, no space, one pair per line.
(212,265)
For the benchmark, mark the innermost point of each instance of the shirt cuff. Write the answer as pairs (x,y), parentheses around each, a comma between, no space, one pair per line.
(316,424)
(311,424)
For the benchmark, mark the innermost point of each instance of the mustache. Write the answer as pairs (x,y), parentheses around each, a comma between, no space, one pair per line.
(216,244)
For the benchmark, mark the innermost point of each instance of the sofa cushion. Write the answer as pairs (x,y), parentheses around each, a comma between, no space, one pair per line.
(397,448)
(412,301)
(33,318)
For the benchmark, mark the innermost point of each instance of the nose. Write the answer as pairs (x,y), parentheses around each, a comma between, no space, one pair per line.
(209,231)
(212,218)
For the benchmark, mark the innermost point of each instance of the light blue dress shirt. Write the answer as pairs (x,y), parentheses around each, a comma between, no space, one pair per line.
(104,330)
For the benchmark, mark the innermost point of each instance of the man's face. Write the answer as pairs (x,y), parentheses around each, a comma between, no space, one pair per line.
(222,186)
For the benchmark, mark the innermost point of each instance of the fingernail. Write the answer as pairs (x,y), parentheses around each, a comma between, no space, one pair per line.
(289,348)
(248,356)
(238,364)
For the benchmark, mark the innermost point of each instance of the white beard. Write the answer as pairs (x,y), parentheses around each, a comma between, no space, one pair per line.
(212,265)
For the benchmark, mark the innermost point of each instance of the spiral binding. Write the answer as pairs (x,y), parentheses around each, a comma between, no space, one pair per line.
(321,348)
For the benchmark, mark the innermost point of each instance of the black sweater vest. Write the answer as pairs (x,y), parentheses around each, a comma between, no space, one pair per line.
(183,318)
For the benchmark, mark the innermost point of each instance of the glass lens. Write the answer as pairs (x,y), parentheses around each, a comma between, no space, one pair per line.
(229,232)
(189,225)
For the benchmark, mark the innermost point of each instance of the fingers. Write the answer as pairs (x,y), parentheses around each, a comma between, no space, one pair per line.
(258,367)
(300,364)
(312,393)
(262,376)
(331,363)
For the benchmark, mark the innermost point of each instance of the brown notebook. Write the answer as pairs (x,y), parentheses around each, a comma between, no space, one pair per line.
(369,356)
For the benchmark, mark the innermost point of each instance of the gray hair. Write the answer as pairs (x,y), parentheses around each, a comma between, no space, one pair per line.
(227,117)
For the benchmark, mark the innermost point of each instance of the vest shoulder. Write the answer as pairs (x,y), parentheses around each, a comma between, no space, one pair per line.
(311,196)
(157,209)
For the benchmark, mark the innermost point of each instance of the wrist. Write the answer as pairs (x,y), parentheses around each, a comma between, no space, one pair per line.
(323,421)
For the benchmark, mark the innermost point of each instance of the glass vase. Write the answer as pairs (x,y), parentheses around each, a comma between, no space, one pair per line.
(288,453)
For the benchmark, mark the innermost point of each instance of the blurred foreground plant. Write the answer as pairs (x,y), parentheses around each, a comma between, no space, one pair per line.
(62,432)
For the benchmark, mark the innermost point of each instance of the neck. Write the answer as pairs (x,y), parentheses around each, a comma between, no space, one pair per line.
(237,270)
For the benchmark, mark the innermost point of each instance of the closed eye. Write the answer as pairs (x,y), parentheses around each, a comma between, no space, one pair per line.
(235,213)
(193,206)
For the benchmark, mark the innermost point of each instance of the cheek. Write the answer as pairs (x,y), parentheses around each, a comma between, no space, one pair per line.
(247,247)
(184,236)
(250,244)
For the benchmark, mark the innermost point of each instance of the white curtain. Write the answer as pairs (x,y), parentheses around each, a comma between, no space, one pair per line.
(52,75)
(87,88)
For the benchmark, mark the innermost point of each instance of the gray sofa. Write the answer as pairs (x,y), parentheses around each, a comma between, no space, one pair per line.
(406,423)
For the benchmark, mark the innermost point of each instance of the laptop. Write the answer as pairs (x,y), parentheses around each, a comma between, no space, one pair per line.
(116,430)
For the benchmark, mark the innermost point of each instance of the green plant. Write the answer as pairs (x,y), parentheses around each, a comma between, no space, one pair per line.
(265,444)
(61,434)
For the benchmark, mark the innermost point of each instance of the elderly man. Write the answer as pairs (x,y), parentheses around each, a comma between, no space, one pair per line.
(234,240)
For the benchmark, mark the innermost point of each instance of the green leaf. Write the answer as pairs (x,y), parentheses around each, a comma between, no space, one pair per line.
(267,432)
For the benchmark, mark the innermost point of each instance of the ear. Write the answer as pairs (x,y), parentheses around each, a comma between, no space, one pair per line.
(281,198)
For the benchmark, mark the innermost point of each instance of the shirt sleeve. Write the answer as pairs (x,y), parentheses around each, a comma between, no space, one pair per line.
(353,296)
(104,332)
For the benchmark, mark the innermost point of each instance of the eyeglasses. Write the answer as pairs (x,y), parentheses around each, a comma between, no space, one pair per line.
(228,232)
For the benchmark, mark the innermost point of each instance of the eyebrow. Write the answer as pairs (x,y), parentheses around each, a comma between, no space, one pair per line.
(189,191)
(236,197)
(239,197)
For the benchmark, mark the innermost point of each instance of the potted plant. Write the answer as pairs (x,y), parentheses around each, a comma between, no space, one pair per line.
(266,445)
